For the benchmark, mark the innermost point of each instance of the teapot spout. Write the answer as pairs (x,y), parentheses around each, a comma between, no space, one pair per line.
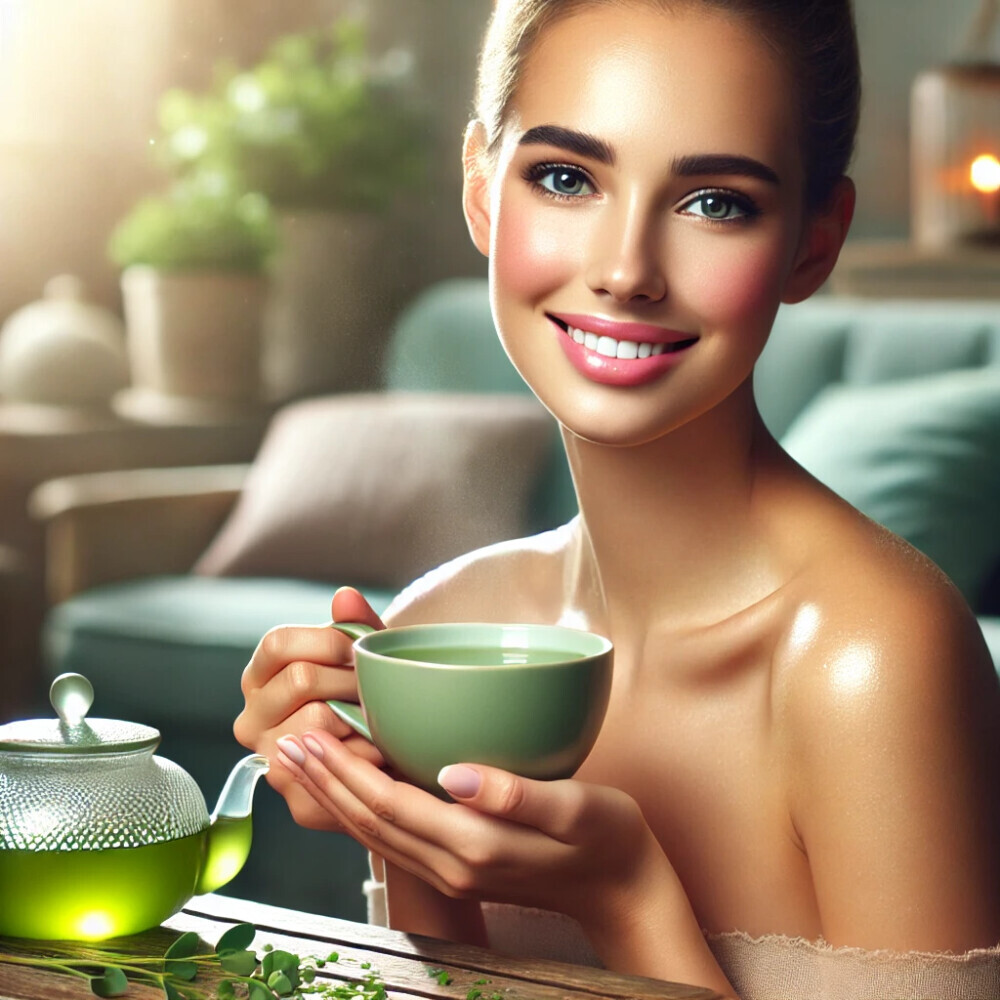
(230,832)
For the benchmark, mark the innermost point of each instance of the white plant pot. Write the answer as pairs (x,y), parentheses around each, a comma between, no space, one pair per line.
(195,335)
(326,311)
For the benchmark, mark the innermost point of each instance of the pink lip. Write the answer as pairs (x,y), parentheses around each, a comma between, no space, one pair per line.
(619,371)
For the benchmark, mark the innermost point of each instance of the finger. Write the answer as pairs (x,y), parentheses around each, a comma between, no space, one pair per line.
(557,808)
(468,853)
(349,605)
(368,826)
(286,644)
(294,701)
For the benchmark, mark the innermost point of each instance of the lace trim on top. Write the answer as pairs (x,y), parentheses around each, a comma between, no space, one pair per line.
(775,967)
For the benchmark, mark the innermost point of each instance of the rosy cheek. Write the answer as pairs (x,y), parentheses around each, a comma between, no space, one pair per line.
(734,286)
(532,251)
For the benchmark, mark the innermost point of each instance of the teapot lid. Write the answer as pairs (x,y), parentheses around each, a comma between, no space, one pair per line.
(71,696)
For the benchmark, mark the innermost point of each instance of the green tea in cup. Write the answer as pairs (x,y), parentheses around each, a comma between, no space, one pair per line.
(526,698)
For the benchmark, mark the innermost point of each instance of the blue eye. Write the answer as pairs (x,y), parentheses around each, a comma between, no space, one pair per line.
(566,182)
(719,206)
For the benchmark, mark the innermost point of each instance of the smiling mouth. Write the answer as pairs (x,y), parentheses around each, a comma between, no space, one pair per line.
(624,350)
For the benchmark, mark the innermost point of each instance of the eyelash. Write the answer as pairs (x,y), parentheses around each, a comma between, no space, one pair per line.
(746,205)
(534,173)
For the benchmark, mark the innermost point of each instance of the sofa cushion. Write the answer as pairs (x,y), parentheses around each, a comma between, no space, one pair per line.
(804,353)
(379,488)
(991,633)
(884,347)
(920,456)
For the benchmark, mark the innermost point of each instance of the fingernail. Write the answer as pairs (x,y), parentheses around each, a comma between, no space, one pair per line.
(291,750)
(458,780)
(314,746)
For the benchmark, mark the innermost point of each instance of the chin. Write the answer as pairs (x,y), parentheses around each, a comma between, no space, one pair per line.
(615,425)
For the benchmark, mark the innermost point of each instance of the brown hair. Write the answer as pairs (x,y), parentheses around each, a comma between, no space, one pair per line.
(817,38)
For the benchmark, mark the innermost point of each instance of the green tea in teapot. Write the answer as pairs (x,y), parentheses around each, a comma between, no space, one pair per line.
(92,895)
(98,836)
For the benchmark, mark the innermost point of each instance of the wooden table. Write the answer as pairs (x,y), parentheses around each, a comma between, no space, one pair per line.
(400,961)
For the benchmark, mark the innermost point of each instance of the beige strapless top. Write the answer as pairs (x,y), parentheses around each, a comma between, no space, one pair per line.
(765,968)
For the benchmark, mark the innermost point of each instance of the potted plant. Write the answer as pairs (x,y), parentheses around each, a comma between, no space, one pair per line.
(330,136)
(194,287)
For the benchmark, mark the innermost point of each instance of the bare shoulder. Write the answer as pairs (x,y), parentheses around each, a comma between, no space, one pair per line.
(877,627)
(517,580)
(887,721)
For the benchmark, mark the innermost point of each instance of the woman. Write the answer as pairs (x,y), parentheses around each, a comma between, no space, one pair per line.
(801,743)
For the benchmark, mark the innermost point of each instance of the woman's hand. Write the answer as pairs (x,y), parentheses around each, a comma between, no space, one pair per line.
(579,848)
(286,684)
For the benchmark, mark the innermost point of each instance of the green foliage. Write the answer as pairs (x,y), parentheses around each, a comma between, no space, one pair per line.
(279,975)
(203,222)
(317,123)
(111,983)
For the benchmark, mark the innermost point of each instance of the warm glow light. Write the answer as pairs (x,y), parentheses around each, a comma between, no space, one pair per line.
(985,173)
(95,925)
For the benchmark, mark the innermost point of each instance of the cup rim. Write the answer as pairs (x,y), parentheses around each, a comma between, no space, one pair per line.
(602,645)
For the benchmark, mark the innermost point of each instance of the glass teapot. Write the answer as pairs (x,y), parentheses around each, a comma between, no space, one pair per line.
(99,837)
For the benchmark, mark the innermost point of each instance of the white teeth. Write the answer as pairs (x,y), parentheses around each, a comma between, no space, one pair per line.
(607,346)
(626,350)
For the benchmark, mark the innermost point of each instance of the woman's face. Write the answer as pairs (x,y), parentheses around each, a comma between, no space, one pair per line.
(644,217)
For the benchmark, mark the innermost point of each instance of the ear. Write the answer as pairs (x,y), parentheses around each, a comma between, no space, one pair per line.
(476,186)
(823,234)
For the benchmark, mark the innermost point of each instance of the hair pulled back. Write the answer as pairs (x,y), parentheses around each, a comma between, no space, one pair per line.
(816,38)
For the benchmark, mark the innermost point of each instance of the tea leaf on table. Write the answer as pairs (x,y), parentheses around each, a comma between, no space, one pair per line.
(258,991)
(280,983)
(184,947)
(238,938)
(239,963)
(113,983)
(283,962)
(180,969)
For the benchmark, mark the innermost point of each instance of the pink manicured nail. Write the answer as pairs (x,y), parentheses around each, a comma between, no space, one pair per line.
(458,780)
(314,746)
(291,750)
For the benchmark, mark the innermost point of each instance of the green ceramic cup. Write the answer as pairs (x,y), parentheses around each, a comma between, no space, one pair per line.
(526,698)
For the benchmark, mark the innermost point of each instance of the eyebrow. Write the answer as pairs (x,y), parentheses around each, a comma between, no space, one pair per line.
(584,144)
(581,143)
(724,163)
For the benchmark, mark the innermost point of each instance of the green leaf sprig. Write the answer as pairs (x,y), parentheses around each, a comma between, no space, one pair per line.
(277,975)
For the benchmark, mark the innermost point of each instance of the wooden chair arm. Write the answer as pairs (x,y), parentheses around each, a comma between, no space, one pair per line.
(109,526)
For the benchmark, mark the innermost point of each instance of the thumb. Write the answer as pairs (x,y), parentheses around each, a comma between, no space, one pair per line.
(350,606)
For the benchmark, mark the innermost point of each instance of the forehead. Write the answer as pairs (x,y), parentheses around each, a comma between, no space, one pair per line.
(697,80)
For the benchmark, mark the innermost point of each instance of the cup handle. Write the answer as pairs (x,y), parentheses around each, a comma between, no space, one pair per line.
(351,713)
(348,711)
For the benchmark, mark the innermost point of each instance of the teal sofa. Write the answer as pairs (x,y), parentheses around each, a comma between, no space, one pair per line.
(896,404)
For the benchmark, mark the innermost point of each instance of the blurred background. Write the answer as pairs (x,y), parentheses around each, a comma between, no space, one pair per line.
(212,213)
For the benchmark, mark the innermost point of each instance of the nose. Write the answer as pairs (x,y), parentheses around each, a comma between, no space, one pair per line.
(626,260)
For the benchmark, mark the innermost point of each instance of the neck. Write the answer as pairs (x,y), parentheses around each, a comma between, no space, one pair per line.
(668,531)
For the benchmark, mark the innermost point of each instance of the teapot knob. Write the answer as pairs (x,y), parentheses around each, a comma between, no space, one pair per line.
(71,696)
